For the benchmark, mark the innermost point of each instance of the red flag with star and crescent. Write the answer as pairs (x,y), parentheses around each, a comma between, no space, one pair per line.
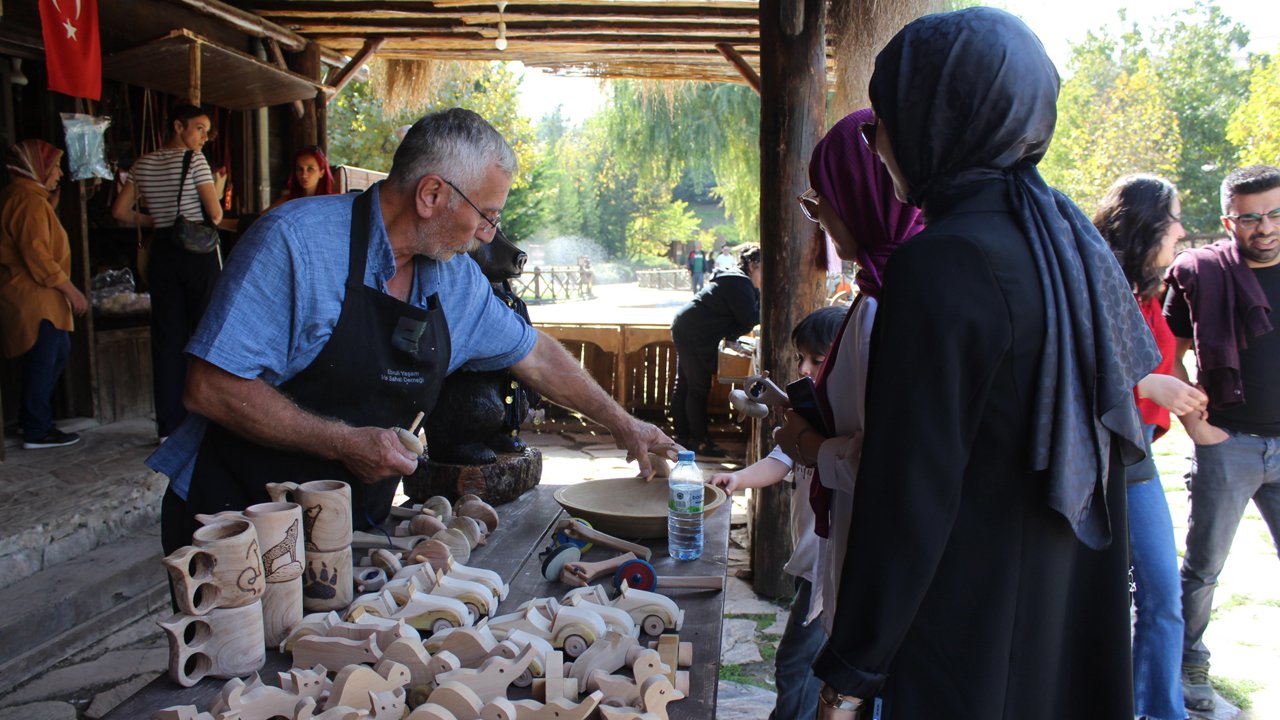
(72,52)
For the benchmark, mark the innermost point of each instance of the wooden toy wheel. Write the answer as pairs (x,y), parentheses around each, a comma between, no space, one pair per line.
(441,624)
(575,645)
(525,679)
(563,538)
(653,625)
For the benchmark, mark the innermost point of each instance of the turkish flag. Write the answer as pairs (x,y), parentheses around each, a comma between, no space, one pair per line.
(72,52)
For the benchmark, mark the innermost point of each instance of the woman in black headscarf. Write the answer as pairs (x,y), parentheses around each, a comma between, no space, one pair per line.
(986,575)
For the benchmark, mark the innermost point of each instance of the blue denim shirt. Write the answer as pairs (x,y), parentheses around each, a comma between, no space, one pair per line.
(281,294)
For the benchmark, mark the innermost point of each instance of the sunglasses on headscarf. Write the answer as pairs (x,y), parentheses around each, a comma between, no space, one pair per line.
(868,132)
(809,204)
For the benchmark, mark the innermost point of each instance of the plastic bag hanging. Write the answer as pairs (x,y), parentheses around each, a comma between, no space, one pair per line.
(86,153)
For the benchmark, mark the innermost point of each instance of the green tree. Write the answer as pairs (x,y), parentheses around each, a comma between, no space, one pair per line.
(1204,83)
(1192,65)
(1255,125)
(1131,130)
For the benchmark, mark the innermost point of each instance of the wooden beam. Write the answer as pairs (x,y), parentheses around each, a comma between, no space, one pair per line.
(246,22)
(748,73)
(193,74)
(349,71)
(658,9)
(277,57)
(792,110)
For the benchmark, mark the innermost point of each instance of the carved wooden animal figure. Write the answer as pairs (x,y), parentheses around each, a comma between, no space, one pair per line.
(410,653)
(609,653)
(287,546)
(317,623)
(461,701)
(558,709)
(381,705)
(256,701)
(655,694)
(336,652)
(621,691)
(431,711)
(493,677)
(471,645)
(354,682)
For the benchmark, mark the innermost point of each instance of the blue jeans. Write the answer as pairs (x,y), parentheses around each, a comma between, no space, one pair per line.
(798,687)
(1223,479)
(42,365)
(1157,657)
(696,281)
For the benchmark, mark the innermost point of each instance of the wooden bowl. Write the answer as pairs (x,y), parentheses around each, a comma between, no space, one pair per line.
(627,507)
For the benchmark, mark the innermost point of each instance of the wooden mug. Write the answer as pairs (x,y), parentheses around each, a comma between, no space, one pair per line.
(327,584)
(222,568)
(326,511)
(279,526)
(281,611)
(225,643)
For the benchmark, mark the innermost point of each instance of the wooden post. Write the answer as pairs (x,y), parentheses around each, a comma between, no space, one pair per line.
(306,130)
(792,105)
(193,74)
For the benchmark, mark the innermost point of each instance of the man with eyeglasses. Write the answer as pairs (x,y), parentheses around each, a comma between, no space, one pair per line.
(339,317)
(1219,303)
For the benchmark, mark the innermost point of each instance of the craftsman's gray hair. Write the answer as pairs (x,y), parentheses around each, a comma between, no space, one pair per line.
(456,144)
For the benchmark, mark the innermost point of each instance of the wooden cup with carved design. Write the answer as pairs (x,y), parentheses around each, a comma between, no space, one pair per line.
(327,583)
(326,511)
(279,527)
(222,568)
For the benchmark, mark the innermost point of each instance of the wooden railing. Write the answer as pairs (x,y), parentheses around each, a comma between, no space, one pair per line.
(672,279)
(555,283)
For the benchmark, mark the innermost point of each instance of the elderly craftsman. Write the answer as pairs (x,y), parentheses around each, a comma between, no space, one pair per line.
(339,316)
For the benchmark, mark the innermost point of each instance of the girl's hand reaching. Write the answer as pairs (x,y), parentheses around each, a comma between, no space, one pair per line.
(729,482)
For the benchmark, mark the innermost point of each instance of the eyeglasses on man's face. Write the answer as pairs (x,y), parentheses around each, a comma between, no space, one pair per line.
(495,222)
(1251,221)
(809,204)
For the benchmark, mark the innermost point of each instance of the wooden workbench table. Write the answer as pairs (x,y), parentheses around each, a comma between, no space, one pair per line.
(512,552)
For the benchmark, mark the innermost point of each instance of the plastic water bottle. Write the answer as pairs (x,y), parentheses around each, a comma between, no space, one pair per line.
(684,509)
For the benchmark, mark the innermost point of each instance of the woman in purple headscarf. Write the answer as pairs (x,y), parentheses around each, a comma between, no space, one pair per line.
(851,198)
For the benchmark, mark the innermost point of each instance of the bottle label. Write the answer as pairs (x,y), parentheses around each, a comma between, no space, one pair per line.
(685,499)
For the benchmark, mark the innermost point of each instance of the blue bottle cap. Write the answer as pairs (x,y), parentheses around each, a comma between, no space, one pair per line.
(684,456)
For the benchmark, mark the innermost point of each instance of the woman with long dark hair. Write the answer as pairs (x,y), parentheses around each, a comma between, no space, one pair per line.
(1140,218)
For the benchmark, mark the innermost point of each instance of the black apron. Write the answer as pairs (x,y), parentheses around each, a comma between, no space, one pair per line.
(384,363)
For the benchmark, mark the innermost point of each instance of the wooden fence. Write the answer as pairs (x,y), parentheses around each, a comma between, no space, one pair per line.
(673,279)
(636,364)
(555,283)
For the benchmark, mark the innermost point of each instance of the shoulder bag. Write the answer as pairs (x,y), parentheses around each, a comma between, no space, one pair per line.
(197,237)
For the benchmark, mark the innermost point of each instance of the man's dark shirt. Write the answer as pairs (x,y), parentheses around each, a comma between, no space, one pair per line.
(1259,364)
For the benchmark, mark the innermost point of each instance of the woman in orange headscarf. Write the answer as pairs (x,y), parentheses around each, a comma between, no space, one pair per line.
(311,176)
(37,298)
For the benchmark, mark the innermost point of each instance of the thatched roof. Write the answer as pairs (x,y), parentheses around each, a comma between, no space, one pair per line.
(653,39)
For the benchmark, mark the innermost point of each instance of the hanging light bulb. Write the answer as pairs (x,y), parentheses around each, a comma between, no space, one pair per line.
(501,42)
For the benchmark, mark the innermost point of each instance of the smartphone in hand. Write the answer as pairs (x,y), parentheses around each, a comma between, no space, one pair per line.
(803,395)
